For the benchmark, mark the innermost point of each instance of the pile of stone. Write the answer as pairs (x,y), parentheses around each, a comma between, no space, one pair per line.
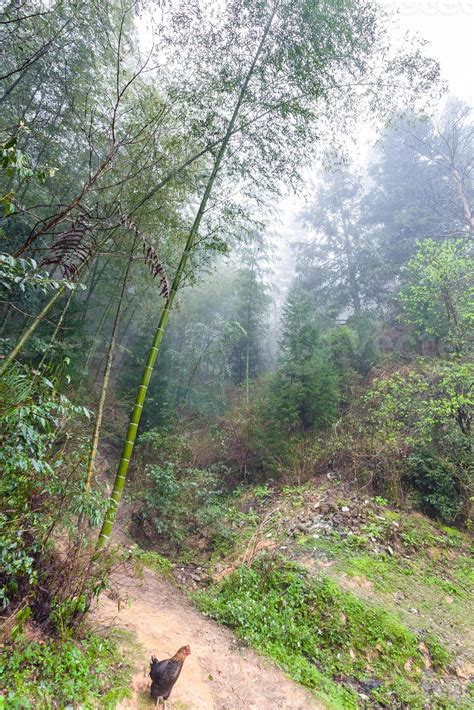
(328,515)
(191,575)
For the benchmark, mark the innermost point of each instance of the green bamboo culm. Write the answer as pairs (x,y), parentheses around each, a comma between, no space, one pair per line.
(106,376)
(129,444)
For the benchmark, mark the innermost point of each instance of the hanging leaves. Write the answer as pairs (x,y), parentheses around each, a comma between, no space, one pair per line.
(151,258)
(156,268)
(72,249)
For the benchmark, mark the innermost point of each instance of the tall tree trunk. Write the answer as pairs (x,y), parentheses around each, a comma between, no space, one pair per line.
(100,327)
(466,208)
(351,268)
(131,436)
(105,381)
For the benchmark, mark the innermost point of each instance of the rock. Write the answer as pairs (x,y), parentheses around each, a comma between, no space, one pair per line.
(304,527)
(465,672)
(345,509)
(426,655)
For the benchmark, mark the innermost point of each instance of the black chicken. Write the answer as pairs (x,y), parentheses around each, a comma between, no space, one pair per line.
(164,674)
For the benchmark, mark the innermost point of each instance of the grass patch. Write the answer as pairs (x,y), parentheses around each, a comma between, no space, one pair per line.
(382,570)
(440,656)
(90,673)
(325,638)
(152,560)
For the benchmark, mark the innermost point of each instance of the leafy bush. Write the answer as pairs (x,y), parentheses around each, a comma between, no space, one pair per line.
(422,401)
(319,633)
(90,673)
(410,432)
(42,486)
(436,484)
(438,296)
(172,502)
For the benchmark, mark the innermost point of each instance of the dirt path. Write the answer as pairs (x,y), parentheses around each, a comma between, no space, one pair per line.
(218,675)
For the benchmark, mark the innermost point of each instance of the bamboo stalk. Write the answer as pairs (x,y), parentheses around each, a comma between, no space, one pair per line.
(57,328)
(105,381)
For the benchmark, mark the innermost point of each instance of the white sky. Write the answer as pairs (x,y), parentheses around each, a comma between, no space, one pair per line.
(448,26)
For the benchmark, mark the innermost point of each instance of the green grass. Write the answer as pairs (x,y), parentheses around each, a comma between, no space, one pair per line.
(91,673)
(152,560)
(325,638)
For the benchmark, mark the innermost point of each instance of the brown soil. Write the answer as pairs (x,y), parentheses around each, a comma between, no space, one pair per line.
(220,673)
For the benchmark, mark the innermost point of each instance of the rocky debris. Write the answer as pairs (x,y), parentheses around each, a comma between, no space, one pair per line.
(465,672)
(191,574)
(329,515)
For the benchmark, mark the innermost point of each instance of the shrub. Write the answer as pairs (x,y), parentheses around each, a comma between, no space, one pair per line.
(435,481)
(410,432)
(438,296)
(90,673)
(170,501)
(42,493)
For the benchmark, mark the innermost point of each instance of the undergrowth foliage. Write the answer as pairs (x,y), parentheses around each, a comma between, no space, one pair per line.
(175,500)
(325,638)
(42,494)
(63,673)
(410,435)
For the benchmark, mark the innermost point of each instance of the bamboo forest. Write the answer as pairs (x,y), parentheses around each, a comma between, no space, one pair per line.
(236,354)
